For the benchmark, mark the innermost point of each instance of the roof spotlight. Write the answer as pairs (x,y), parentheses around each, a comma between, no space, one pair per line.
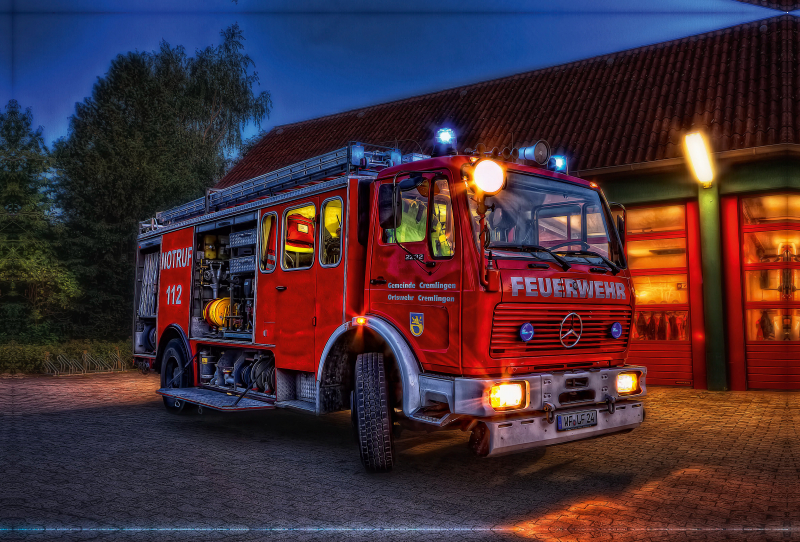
(488,177)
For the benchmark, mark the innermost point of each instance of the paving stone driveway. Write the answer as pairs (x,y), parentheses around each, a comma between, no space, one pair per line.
(98,458)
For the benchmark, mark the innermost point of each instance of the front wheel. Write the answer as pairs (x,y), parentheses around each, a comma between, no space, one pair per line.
(372,414)
(173,374)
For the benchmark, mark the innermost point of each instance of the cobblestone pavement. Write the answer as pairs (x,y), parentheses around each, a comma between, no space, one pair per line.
(98,458)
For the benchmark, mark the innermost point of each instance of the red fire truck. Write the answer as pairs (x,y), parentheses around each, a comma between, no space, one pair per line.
(479,291)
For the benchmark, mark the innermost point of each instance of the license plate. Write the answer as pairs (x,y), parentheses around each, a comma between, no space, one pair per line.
(576,420)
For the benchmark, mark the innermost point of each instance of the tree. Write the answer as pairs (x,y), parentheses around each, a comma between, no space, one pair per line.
(152,135)
(35,287)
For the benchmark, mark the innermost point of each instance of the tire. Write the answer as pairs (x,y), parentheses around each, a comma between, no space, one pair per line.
(171,362)
(373,414)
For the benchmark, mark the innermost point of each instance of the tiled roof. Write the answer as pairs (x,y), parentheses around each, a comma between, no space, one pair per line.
(783,5)
(740,85)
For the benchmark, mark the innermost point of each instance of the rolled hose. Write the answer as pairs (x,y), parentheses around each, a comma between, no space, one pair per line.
(257,374)
(262,373)
(215,311)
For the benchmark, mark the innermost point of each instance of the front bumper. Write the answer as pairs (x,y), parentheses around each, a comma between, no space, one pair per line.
(556,391)
(522,433)
(548,396)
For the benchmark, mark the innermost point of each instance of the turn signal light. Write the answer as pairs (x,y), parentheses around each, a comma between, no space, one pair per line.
(507,395)
(361,320)
(627,382)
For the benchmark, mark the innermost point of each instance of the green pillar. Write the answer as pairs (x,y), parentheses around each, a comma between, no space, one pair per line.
(711,249)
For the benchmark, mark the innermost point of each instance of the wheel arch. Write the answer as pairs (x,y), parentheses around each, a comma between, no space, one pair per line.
(173,331)
(337,361)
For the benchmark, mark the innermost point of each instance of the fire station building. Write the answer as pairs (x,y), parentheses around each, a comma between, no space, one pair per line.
(716,267)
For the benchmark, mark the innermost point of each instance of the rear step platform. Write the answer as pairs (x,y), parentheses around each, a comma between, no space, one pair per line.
(214,399)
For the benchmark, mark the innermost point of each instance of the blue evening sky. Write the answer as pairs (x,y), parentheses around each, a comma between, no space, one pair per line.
(326,56)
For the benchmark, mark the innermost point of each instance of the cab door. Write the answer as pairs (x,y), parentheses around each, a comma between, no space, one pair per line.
(294,286)
(330,275)
(419,289)
(266,295)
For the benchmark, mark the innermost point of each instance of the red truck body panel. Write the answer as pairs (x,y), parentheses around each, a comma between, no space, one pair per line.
(297,310)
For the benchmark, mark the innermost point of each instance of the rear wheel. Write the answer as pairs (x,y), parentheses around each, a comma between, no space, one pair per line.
(372,414)
(173,375)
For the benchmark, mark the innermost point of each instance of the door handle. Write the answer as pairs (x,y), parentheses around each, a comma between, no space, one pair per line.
(280,288)
(379,280)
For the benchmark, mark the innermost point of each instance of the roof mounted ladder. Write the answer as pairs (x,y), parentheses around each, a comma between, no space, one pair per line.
(338,162)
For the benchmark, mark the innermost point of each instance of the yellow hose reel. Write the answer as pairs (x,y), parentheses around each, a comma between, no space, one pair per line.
(216,311)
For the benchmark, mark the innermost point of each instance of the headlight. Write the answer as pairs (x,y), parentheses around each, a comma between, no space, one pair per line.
(488,176)
(507,395)
(627,382)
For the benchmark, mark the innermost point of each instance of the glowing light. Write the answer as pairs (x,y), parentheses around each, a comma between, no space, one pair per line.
(507,395)
(488,176)
(699,158)
(445,136)
(626,382)
(361,320)
(593,185)
(559,163)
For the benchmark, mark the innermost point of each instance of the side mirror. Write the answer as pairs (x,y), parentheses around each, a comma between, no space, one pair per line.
(410,183)
(389,209)
(619,210)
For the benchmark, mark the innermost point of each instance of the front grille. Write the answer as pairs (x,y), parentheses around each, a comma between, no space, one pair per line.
(546,319)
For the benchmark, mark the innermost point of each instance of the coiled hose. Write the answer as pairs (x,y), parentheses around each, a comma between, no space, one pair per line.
(262,373)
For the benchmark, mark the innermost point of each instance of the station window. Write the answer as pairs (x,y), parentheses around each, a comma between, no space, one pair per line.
(267,257)
(332,228)
(441,223)
(650,220)
(657,253)
(657,258)
(298,237)
(771,262)
(771,209)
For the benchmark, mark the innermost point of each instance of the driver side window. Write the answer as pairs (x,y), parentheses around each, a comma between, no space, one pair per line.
(414,209)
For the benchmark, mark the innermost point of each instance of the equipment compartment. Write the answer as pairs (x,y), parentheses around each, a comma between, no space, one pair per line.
(224,280)
(146,296)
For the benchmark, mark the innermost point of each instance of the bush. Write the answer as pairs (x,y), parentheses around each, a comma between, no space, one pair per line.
(27,358)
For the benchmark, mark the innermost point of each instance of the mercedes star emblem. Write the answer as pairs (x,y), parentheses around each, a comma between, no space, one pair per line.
(571,329)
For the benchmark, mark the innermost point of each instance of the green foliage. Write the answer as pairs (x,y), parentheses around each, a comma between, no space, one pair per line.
(29,358)
(152,135)
(35,287)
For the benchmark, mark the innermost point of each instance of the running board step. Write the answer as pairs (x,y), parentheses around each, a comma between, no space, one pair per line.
(215,400)
(297,404)
(443,421)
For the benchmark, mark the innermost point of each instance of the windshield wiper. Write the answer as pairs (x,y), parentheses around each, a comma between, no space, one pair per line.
(609,263)
(532,248)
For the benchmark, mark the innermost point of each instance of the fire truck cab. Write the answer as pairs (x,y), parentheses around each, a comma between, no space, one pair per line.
(475,291)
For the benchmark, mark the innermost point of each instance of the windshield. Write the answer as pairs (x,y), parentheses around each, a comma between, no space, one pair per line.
(560,217)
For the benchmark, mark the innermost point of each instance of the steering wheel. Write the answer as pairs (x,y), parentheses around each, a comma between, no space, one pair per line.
(584,245)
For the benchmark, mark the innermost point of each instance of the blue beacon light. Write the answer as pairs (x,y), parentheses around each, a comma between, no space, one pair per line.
(558,163)
(526,332)
(445,136)
(616,330)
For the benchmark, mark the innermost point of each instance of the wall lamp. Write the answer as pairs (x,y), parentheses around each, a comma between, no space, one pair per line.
(699,158)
